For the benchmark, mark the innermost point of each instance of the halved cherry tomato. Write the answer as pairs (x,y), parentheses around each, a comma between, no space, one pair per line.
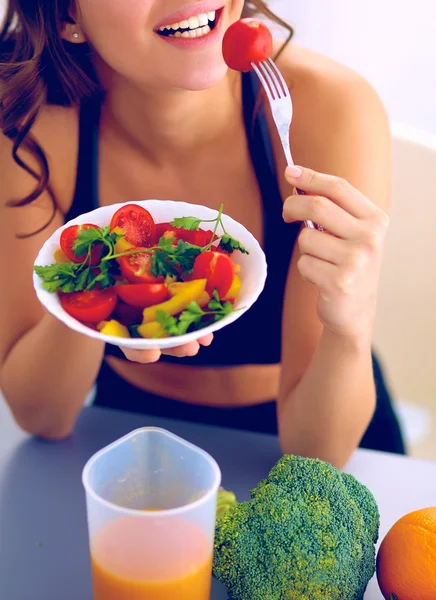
(90,306)
(137,224)
(136,268)
(142,294)
(217,268)
(69,236)
(198,238)
(245,42)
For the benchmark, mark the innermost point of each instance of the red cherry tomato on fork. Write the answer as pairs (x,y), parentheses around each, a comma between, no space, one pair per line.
(69,236)
(217,268)
(142,294)
(90,306)
(137,223)
(246,41)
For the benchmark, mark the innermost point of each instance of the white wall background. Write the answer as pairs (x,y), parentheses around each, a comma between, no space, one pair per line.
(390,42)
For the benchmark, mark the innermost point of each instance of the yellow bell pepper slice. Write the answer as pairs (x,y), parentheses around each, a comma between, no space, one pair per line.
(113,328)
(60,256)
(121,245)
(152,330)
(156,330)
(234,290)
(177,303)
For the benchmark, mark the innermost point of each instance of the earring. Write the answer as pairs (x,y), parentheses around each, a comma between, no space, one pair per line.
(75,35)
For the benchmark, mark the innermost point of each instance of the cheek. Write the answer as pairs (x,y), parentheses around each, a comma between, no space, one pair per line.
(111,23)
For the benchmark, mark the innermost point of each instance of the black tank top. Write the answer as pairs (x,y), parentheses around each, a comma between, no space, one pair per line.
(255,338)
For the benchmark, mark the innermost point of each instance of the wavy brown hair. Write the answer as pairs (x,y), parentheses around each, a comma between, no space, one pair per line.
(38,67)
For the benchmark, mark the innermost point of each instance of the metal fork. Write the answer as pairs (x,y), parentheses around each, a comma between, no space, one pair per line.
(280,101)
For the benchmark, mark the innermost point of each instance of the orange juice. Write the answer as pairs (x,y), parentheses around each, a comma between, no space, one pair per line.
(136,559)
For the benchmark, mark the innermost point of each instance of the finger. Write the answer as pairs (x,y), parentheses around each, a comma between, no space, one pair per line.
(340,191)
(322,211)
(206,340)
(190,349)
(323,245)
(142,356)
(317,271)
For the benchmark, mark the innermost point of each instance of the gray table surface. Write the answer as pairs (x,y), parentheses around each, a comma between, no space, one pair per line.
(43,535)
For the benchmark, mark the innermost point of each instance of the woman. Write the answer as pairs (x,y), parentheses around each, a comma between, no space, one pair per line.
(100,106)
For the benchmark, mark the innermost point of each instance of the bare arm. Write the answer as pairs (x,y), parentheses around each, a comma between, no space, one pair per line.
(327,393)
(46,370)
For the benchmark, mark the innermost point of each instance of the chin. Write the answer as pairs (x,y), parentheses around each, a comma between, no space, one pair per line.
(198,79)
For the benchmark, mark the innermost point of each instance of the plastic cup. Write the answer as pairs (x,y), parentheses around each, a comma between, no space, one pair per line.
(151,508)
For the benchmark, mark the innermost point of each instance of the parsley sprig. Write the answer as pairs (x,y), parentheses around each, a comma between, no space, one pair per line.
(77,277)
(169,259)
(89,238)
(194,317)
(227,242)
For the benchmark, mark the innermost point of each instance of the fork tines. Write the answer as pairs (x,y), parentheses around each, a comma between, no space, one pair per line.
(272,80)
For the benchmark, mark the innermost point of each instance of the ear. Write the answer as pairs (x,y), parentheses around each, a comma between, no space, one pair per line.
(72,32)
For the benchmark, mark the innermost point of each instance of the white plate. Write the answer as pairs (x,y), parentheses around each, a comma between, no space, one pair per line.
(253,269)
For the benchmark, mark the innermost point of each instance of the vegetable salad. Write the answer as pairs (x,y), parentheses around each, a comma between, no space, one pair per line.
(136,278)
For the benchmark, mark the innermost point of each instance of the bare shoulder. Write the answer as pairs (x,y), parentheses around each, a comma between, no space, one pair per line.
(340,125)
(56,132)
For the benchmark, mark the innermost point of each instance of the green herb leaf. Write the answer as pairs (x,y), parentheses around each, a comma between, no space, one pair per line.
(168,322)
(229,244)
(221,308)
(88,238)
(66,277)
(194,316)
(168,258)
(190,223)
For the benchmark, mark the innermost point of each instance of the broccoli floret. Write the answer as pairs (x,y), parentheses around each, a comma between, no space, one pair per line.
(308,533)
(225,500)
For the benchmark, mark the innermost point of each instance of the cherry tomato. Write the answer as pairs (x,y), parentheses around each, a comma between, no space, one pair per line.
(136,268)
(246,41)
(142,294)
(217,268)
(137,224)
(198,238)
(89,306)
(69,236)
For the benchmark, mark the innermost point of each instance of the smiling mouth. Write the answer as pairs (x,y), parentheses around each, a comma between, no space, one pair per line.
(194,27)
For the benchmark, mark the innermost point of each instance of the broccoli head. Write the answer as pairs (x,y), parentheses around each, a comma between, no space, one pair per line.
(308,533)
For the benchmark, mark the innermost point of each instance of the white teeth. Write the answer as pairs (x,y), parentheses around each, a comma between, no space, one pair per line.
(193,23)
(192,33)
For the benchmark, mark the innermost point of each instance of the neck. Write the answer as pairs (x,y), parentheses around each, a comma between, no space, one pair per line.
(167,123)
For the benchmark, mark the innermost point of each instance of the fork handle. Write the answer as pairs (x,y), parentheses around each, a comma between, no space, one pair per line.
(309,224)
(287,150)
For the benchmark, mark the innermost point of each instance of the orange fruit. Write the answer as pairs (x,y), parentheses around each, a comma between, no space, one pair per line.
(406,560)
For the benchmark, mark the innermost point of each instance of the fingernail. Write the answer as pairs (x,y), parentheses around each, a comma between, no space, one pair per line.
(294,172)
